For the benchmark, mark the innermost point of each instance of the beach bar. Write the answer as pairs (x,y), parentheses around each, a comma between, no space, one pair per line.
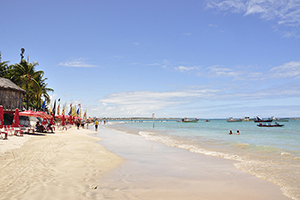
(11,95)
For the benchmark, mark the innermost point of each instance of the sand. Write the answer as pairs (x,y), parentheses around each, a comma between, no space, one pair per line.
(64,165)
(154,171)
(73,165)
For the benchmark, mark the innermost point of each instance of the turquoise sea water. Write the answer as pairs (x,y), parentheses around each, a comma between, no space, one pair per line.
(270,153)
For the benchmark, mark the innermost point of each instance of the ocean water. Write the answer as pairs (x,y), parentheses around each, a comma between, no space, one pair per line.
(270,153)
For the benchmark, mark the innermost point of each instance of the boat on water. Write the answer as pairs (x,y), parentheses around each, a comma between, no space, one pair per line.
(233,120)
(279,119)
(186,120)
(259,119)
(270,125)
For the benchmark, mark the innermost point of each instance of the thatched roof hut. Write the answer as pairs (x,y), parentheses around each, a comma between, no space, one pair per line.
(11,95)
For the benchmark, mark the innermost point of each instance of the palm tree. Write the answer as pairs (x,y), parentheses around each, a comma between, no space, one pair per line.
(24,73)
(41,89)
(3,67)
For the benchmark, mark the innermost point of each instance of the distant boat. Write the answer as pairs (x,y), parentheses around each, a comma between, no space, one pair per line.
(207,120)
(233,120)
(259,119)
(280,119)
(270,125)
(186,120)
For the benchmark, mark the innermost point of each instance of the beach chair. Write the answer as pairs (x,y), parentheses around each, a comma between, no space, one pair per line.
(17,131)
(3,133)
(30,129)
(8,129)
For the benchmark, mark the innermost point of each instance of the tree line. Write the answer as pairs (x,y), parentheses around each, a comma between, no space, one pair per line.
(25,75)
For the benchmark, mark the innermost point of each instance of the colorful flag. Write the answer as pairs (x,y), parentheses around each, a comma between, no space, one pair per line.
(74,111)
(84,115)
(53,110)
(50,110)
(44,105)
(63,110)
(70,111)
(58,107)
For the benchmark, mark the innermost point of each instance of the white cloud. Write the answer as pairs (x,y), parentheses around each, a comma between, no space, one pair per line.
(184,69)
(78,62)
(287,70)
(286,12)
(218,71)
(143,103)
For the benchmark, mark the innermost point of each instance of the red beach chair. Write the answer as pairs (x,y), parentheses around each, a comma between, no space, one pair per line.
(2,132)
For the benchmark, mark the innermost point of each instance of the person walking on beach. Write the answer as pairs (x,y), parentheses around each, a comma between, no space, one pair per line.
(96,125)
(77,123)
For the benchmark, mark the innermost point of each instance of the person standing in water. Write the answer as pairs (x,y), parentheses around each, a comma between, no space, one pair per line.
(96,125)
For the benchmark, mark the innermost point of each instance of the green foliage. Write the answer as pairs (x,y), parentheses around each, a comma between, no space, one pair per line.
(28,78)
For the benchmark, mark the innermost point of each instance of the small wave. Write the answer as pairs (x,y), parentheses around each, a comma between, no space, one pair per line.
(192,148)
(285,154)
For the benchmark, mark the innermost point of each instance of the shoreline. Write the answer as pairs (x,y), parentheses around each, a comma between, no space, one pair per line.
(65,165)
(111,164)
(153,170)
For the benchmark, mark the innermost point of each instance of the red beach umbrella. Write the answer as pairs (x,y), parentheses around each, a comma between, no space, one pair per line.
(16,119)
(51,121)
(30,113)
(1,117)
(70,119)
(44,121)
(44,115)
(63,120)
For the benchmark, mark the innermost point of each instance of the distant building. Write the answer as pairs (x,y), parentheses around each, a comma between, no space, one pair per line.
(11,95)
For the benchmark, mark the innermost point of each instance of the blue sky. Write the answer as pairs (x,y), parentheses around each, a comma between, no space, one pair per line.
(174,58)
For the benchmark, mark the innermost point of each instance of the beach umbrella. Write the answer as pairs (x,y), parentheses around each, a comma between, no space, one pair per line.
(59,116)
(16,119)
(29,113)
(63,120)
(44,121)
(51,121)
(70,119)
(44,115)
(1,117)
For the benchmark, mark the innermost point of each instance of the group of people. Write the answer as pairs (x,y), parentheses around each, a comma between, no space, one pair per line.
(237,132)
(40,128)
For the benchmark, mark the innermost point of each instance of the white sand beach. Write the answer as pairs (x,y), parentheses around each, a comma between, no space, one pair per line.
(64,165)
(72,165)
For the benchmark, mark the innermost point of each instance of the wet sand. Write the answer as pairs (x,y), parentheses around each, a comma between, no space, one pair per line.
(153,170)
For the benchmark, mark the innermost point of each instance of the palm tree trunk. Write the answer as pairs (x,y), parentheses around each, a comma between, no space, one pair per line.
(27,95)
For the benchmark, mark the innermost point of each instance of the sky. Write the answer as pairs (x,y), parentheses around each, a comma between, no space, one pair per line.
(174,58)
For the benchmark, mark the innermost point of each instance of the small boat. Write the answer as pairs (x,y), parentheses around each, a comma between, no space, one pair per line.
(233,120)
(207,120)
(186,120)
(270,125)
(258,119)
(280,119)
